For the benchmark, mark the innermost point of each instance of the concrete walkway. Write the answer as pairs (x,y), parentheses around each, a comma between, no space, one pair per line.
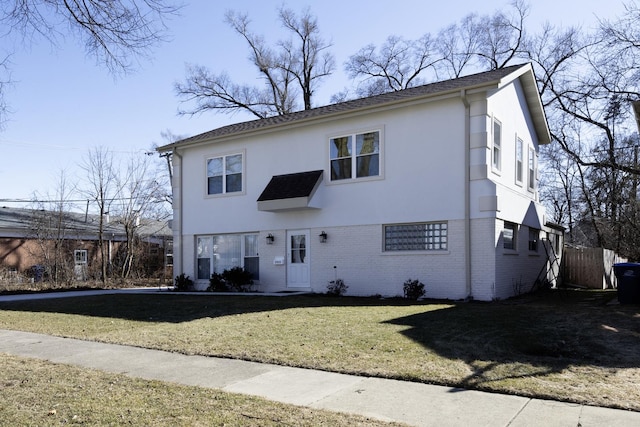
(411,403)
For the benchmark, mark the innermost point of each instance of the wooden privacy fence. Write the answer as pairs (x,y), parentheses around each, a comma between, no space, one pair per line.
(590,267)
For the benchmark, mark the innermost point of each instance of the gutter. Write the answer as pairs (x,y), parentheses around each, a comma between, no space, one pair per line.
(467,194)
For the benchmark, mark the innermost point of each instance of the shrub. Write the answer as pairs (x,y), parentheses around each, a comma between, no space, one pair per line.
(238,279)
(413,289)
(217,283)
(183,283)
(336,288)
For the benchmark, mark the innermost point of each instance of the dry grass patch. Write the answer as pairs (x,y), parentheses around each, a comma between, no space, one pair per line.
(33,392)
(571,346)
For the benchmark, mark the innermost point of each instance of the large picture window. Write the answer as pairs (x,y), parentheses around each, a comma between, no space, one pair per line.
(355,156)
(431,236)
(224,174)
(225,251)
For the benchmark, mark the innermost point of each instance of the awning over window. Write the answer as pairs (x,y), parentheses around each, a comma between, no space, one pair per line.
(289,192)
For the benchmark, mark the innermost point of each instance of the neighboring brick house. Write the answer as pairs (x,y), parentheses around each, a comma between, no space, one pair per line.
(30,239)
(437,183)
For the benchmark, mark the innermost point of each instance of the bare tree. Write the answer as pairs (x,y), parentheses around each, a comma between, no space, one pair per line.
(101,180)
(52,232)
(399,64)
(136,199)
(293,68)
(112,31)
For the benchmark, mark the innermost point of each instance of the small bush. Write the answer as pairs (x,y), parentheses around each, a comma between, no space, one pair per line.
(217,283)
(336,288)
(413,289)
(183,283)
(238,279)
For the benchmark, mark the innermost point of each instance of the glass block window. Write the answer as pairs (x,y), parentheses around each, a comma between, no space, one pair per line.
(431,236)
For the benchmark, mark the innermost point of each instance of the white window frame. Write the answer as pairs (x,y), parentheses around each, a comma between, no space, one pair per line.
(531,170)
(80,256)
(225,173)
(496,145)
(416,237)
(519,170)
(353,155)
(243,254)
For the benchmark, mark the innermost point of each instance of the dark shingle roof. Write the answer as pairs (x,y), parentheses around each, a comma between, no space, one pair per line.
(442,87)
(290,186)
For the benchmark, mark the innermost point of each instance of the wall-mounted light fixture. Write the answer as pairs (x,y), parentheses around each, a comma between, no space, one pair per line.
(323,237)
(270,239)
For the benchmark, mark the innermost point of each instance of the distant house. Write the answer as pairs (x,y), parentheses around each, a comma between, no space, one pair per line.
(437,183)
(32,241)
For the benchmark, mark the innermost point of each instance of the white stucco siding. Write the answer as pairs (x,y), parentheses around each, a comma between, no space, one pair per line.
(422,176)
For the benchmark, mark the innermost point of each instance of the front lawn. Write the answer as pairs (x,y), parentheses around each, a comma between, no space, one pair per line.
(567,345)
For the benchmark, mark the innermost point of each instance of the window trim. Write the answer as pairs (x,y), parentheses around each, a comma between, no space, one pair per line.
(243,251)
(84,257)
(354,156)
(496,151)
(519,161)
(224,156)
(444,245)
(514,237)
(531,170)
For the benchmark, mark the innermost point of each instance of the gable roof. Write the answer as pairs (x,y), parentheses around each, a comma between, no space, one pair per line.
(494,78)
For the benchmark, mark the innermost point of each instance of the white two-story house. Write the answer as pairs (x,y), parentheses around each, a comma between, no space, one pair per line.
(437,183)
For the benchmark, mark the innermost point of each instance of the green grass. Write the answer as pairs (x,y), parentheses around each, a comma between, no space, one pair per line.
(567,345)
(33,392)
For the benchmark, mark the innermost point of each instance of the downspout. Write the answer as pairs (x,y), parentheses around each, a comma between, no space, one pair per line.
(467,194)
(180,207)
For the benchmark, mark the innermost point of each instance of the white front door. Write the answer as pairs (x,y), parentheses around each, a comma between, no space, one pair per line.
(298,259)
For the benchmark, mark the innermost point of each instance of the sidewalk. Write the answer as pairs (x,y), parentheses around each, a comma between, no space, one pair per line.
(411,403)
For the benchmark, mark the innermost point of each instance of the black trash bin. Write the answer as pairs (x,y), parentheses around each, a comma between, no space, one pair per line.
(628,275)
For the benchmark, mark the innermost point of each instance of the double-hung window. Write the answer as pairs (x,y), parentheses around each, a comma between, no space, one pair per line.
(497,145)
(532,169)
(534,236)
(519,160)
(224,174)
(355,156)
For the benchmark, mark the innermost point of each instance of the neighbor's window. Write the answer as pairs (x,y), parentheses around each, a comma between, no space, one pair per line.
(224,174)
(497,144)
(534,235)
(431,236)
(80,256)
(519,160)
(355,156)
(509,235)
(532,169)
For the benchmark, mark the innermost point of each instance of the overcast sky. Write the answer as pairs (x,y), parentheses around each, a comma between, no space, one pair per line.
(63,103)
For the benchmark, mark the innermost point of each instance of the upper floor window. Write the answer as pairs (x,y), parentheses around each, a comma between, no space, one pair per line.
(224,174)
(532,169)
(355,156)
(497,145)
(519,160)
